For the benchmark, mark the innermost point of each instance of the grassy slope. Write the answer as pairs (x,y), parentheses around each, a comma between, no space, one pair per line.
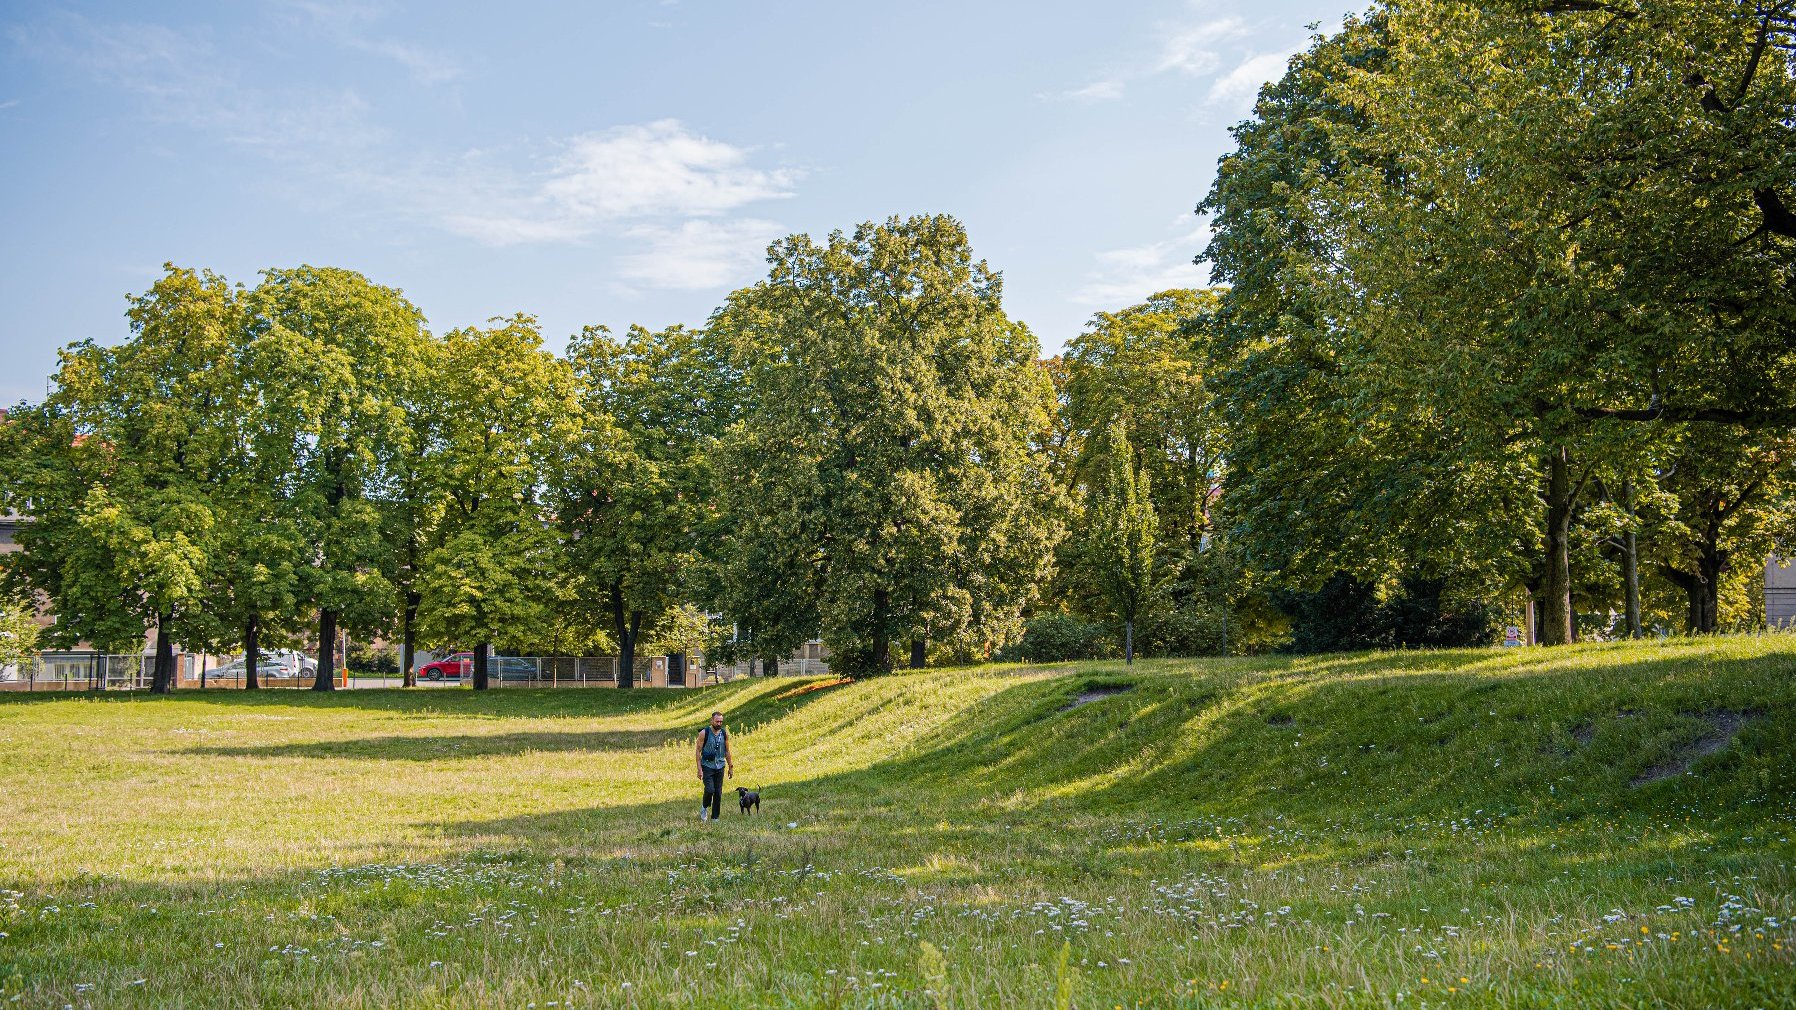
(1304,832)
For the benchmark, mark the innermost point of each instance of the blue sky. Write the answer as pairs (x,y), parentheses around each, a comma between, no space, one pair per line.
(614,162)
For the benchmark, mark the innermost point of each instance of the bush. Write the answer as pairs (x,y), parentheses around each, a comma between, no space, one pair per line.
(365,658)
(1054,637)
(1347,615)
(1179,629)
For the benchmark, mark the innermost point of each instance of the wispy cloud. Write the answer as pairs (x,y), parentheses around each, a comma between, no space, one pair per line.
(673,199)
(697,254)
(658,170)
(182,78)
(9,103)
(1124,276)
(354,26)
(1241,85)
(1201,46)
(1192,50)
(1096,91)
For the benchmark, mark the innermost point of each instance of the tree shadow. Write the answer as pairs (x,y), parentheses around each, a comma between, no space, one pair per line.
(453,747)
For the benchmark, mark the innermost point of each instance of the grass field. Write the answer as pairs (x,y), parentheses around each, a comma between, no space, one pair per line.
(1603,826)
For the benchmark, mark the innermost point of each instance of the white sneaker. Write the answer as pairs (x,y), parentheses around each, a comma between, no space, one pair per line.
(704,815)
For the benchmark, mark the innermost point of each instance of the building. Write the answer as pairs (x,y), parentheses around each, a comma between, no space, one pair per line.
(1780,593)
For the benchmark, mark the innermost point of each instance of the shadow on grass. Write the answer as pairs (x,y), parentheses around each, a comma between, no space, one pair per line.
(467,745)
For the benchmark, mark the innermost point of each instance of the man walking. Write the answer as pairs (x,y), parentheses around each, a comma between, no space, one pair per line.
(713,752)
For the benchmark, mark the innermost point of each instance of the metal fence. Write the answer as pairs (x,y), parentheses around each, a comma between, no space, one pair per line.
(89,671)
(591,671)
(94,671)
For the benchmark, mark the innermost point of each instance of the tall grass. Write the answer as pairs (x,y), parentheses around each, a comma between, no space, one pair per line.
(1596,826)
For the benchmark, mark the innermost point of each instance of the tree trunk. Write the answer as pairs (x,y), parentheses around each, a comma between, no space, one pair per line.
(1129,642)
(1556,611)
(919,656)
(480,679)
(1630,565)
(882,643)
(252,638)
(1711,564)
(326,677)
(770,667)
(1630,577)
(408,656)
(162,677)
(625,628)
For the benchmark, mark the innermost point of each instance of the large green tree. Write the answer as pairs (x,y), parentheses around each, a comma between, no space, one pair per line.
(1511,228)
(493,579)
(885,385)
(117,467)
(632,493)
(1585,222)
(343,353)
(1331,470)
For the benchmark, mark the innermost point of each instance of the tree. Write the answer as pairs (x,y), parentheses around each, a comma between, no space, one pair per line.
(492,581)
(116,468)
(342,351)
(1559,223)
(413,515)
(1388,485)
(1148,363)
(631,492)
(1123,535)
(1726,494)
(19,633)
(891,410)
(765,571)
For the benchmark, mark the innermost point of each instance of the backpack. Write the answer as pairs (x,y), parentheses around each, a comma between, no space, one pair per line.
(719,739)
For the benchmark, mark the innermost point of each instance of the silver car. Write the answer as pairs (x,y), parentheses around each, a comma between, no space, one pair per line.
(281,664)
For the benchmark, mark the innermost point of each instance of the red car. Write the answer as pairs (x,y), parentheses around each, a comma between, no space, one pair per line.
(449,667)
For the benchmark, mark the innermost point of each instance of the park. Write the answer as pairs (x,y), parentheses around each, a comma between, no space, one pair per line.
(1604,825)
(1374,589)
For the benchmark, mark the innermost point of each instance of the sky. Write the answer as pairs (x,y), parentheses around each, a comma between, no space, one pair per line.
(612,162)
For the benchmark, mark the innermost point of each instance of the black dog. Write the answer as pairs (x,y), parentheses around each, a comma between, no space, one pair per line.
(748,798)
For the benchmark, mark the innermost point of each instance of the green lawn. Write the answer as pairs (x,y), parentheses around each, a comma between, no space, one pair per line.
(1443,829)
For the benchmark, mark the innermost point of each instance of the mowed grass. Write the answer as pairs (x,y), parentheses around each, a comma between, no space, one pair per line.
(1604,826)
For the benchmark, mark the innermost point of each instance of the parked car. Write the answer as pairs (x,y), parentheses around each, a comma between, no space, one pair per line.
(283,663)
(461,664)
(449,667)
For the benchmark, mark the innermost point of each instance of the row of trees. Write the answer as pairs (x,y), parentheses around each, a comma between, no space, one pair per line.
(850,447)
(1509,318)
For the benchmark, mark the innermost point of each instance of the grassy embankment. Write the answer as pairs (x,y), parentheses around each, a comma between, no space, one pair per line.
(1597,826)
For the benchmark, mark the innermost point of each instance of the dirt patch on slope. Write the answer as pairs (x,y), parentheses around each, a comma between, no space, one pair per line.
(1722,726)
(1096,692)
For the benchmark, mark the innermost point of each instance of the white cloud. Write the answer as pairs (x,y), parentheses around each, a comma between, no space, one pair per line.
(674,200)
(1192,50)
(660,167)
(658,170)
(697,254)
(1125,276)
(1096,91)
(350,25)
(1241,85)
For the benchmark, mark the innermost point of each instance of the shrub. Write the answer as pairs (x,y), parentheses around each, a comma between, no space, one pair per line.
(1053,637)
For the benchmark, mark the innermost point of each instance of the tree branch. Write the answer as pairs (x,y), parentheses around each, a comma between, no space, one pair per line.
(1769,417)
